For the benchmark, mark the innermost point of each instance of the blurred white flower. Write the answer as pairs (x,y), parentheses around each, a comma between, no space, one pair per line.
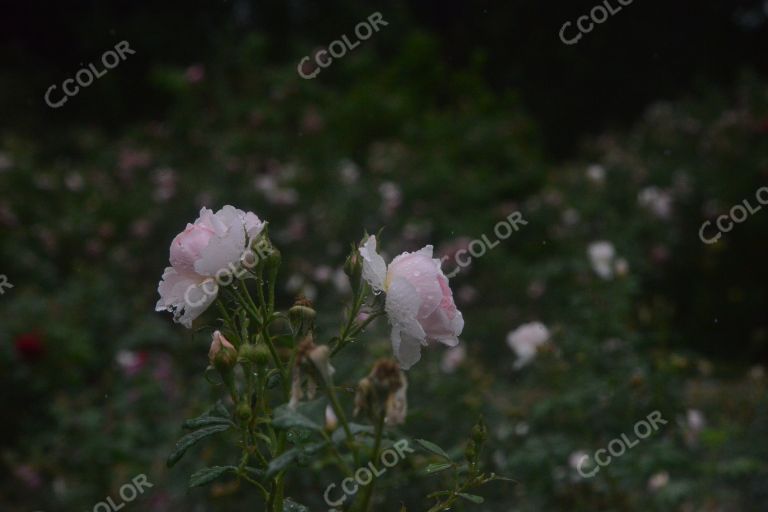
(695,420)
(130,362)
(596,174)
(348,172)
(74,181)
(5,162)
(453,358)
(322,273)
(601,255)
(658,480)
(391,197)
(575,458)
(265,183)
(522,429)
(466,294)
(622,267)
(657,201)
(571,217)
(526,340)
(165,180)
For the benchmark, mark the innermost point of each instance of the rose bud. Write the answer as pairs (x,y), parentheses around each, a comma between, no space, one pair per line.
(302,316)
(254,354)
(222,354)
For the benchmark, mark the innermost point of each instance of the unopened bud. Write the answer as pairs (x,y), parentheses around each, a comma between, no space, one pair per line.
(302,316)
(244,412)
(353,267)
(273,259)
(222,354)
(470,453)
(255,354)
(331,421)
(479,432)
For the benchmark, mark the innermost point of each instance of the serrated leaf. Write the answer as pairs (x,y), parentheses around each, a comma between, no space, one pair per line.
(432,447)
(291,506)
(440,466)
(208,475)
(472,497)
(286,459)
(183,444)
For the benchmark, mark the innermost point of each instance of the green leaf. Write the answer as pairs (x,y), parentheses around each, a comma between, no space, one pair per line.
(291,506)
(471,497)
(432,447)
(287,458)
(339,436)
(183,444)
(204,421)
(273,379)
(258,473)
(440,466)
(208,475)
(216,415)
(285,418)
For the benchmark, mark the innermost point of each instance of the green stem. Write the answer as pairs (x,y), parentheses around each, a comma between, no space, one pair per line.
(343,420)
(261,488)
(374,457)
(350,333)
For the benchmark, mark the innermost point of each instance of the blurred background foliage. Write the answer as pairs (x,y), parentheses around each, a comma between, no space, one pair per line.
(445,122)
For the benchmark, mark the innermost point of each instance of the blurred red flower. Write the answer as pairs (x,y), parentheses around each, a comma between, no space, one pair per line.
(29,346)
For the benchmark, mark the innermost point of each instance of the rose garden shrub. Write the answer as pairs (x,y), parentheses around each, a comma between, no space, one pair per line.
(675,325)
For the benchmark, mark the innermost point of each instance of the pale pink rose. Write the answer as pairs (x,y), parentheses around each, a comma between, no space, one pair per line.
(205,252)
(419,302)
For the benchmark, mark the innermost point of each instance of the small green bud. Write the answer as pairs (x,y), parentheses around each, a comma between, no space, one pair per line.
(470,453)
(353,267)
(244,412)
(479,432)
(255,354)
(273,258)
